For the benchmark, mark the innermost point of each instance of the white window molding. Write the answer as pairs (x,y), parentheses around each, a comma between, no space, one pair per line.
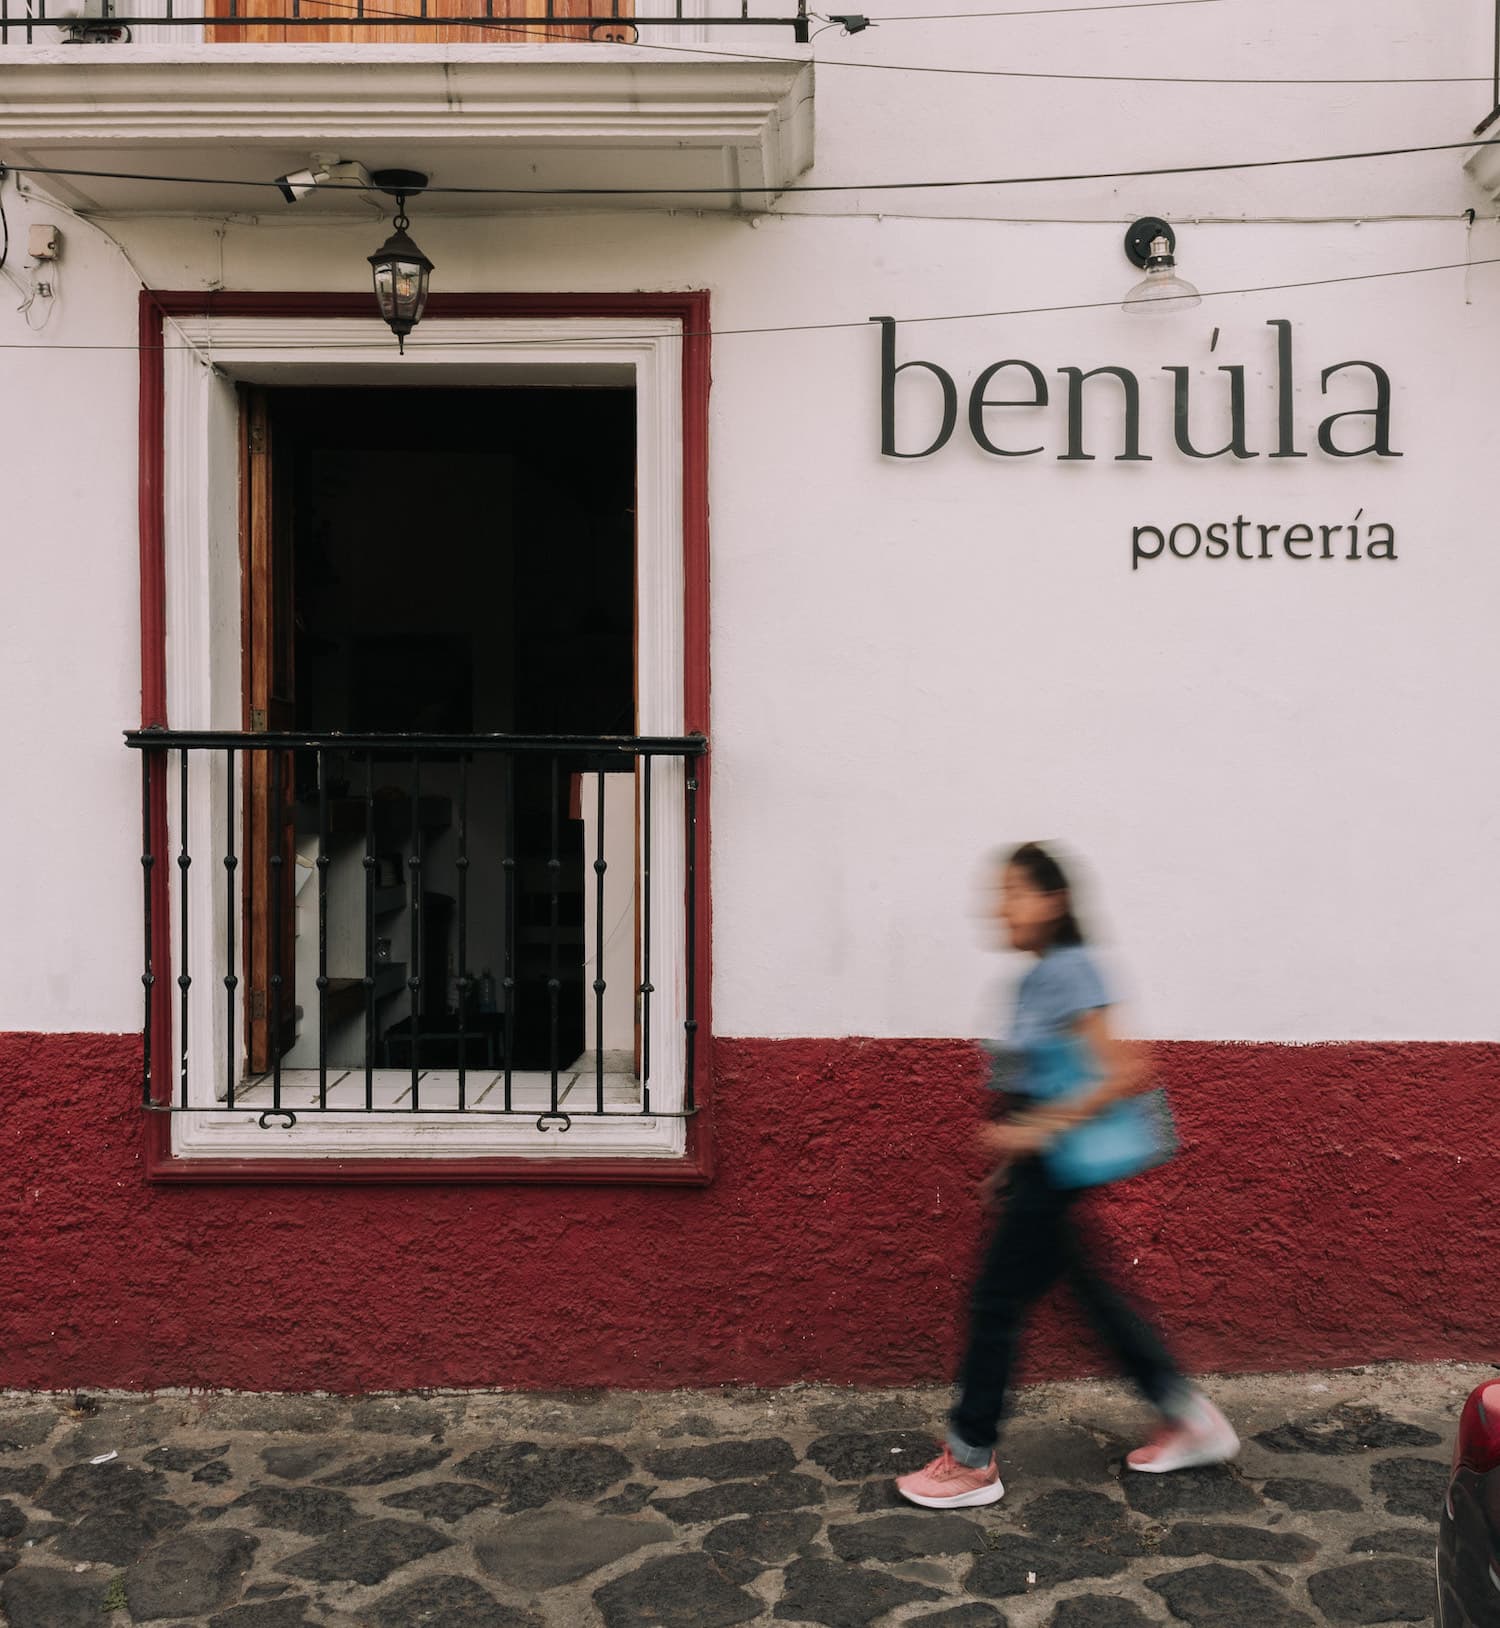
(205,357)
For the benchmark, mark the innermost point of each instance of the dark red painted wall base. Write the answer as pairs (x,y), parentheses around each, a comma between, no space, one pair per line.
(1332,1204)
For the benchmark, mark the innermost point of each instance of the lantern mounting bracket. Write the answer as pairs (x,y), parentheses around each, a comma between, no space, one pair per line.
(399,183)
(1138,240)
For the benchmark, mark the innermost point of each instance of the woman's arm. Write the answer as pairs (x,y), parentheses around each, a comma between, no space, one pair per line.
(1125,1069)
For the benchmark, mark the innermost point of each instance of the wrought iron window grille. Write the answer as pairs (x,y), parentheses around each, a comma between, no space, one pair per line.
(341,786)
(99,22)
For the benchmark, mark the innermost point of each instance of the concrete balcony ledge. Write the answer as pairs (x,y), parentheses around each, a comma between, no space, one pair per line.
(530,116)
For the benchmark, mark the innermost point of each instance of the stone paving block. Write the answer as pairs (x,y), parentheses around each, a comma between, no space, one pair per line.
(880,1494)
(268,1413)
(839,1595)
(288,1612)
(717,1503)
(729,1460)
(1397,1540)
(1016,1564)
(907,1537)
(631,1498)
(1098,1611)
(528,1476)
(12,1521)
(46,1597)
(1078,1516)
(366,1553)
(973,1615)
(1219,1596)
(1411,1486)
(116,1537)
(676,1591)
(189,1575)
(1346,1429)
(871,1413)
(182,1458)
(1046,1451)
(1227,1542)
(383,1467)
(585,1414)
(313,1512)
(544,1549)
(22,1478)
(299,1461)
(1322,1496)
(1214,1489)
(88,1489)
(214,1474)
(852,1455)
(28,1427)
(443,1500)
(113,1429)
(692,1424)
(399,1416)
(762,1540)
(1370,1591)
(446,1602)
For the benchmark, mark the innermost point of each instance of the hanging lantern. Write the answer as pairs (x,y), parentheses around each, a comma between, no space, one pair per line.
(399,267)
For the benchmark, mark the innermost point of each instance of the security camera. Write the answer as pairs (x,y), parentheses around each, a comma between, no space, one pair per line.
(299,183)
(341,172)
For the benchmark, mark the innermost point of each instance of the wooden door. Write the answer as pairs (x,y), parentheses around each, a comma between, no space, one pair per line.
(269,672)
(338,26)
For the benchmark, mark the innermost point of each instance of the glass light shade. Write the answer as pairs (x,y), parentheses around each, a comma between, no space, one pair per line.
(1161,290)
(401,272)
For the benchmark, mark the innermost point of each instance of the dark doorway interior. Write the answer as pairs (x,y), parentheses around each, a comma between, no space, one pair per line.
(462,562)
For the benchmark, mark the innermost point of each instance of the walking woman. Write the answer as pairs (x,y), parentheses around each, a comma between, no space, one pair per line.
(1078,1118)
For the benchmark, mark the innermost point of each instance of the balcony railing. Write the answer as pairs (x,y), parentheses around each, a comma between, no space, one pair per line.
(418,924)
(101,22)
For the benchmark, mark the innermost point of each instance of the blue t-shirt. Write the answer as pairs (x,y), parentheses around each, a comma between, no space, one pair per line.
(1042,1055)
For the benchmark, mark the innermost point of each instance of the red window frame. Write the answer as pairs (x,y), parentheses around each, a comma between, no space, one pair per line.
(157,307)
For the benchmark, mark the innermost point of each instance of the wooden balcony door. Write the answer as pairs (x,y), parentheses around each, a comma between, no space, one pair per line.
(269,684)
(339,26)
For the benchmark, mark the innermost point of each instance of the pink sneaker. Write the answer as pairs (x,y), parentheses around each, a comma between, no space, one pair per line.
(1206,1438)
(947,1484)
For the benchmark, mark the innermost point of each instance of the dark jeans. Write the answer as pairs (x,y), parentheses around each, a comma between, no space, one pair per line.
(1041,1237)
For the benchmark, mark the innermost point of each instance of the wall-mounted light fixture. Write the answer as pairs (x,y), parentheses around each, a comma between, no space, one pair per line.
(399,267)
(1149,244)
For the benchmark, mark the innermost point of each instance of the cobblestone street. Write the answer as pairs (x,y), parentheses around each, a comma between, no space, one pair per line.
(705,1509)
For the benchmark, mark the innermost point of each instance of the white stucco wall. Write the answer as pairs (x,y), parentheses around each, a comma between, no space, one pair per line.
(1279,772)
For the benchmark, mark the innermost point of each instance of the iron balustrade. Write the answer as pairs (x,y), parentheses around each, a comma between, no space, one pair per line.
(100,22)
(340,786)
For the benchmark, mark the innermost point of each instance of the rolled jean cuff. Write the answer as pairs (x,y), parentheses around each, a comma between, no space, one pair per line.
(972,1458)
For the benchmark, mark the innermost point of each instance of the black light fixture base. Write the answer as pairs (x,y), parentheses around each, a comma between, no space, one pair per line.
(1138,238)
(399,181)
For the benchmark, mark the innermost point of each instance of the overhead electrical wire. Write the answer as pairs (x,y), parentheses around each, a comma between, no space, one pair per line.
(1040,11)
(791,187)
(1085,78)
(286,343)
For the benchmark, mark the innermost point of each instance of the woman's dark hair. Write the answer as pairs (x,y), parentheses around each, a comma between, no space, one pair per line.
(1047,876)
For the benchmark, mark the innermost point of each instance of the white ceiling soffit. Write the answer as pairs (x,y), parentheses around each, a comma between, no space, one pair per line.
(529,116)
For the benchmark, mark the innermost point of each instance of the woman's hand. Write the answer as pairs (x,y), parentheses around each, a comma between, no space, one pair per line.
(1027,1133)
